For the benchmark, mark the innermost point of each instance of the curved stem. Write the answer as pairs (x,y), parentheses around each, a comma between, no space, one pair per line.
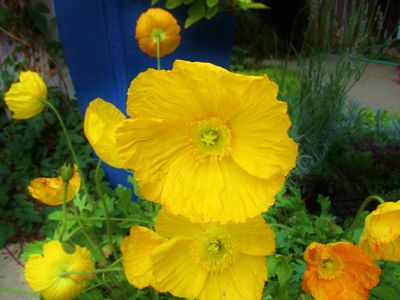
(64,229)
(92,272)
(363,205)
(141,222)
(69,143)
(18,291)
(89,239)
(106,212)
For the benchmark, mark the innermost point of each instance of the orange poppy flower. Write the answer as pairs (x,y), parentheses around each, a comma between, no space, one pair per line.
(339,271)
(157,24)
(381,236)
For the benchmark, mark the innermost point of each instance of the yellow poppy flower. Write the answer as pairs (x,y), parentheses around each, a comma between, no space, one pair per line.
(381,236)
(199,261)
(25,98)
(207,143)
(44,273)
(51,190)
(101,120)
(154,24)
(339,271)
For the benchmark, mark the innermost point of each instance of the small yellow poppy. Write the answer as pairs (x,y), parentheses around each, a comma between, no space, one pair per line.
(46,273)
(339,271)
(25,98)
(199,261)
(51,190)
(381,236)
(157,24)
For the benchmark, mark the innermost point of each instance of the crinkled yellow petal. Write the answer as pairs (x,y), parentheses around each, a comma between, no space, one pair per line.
(381,236)
(244,280)
(136,255)
(378,250)
(35,273)
(253,237)
(170,225)
(208,91)
(149,147)
(383,223)
(43,273)
(158,94)
(230,84)
(219,191)
(25,98)
(261,144)
(51,190)
(175,270)
(101,120)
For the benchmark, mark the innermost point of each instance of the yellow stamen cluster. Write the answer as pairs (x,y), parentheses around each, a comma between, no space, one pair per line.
(214,251)
(210,138)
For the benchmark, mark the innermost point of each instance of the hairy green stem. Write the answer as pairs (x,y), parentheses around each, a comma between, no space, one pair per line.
(158,54)
(89,239)
(64,207)
(69,143)
(136,221)
(19,292)
(364,204)
(105,270)
(106,212)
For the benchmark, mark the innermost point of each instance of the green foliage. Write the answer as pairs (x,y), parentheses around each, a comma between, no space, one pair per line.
(200,9)
(362,160)
(295,228)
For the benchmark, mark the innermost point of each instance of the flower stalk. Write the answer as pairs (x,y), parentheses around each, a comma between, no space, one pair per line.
(364,204)
(69,143)
(106,212)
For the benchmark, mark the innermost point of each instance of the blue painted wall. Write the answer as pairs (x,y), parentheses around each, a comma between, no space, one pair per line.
(98,38)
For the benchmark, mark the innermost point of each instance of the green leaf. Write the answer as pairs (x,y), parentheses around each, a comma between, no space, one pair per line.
(6,230)
(42,8)
(384,293)
(33,248)
(186,2)
(196,11)
(283,270)
(171,4)
(258,6)
(154,2)
(212,3)
(325,204)
(211,12)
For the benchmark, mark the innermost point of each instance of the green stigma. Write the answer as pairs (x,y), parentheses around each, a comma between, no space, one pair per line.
(211,137)
(157,34)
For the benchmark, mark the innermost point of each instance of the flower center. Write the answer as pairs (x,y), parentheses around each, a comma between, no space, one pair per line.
(329,267)
(157,34)
(211,138)
(214,251)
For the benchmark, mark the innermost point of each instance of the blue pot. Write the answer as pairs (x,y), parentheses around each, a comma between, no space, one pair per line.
(98,38)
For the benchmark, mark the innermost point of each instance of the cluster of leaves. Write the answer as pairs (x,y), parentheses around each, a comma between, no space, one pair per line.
(362,160)
(199,9)
(296,228)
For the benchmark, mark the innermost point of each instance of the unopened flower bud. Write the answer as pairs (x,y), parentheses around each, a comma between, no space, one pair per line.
(66,172)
